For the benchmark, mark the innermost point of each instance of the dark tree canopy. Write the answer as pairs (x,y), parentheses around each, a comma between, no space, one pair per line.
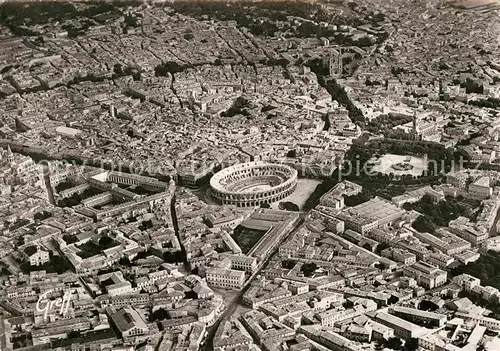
(308,269)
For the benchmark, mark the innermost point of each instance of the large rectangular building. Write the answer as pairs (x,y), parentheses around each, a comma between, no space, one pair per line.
(335,197)
(375,213)
(402,329)
(128,322)
(426,275)
(466,281)
(488,322)
(378,209)
(414,315)
(225,278)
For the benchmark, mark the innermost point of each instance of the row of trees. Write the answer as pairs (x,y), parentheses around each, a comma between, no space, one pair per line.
(489,103)
(4,270)
(339,94)
(245,13)
(492,304)
(17,17)
(355,200)
(379,184)
(239,107)
(321,189)
(168,67)
(289,206)
(440,213)
(424,225)
(267,17)
(441,159)
(56,264)
(384,124)
(485,268)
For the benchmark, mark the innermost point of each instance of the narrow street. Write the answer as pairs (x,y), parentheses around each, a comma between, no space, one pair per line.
(48,186)
(236,301)
(175,223)
(3,317)
(493,230)
(228,312)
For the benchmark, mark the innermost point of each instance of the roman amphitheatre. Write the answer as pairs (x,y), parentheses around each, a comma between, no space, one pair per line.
(253,184)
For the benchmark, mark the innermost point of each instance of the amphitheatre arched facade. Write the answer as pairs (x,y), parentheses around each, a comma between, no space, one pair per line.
(253,184)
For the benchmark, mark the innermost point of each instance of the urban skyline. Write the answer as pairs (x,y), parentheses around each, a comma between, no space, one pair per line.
(250,175)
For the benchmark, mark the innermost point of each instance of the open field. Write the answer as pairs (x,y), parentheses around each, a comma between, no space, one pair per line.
(305,188)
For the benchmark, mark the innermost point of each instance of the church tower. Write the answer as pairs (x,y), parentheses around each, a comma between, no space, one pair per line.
(415,130)
(10,155)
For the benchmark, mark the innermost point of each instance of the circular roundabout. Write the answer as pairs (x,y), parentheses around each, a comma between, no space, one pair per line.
(253,183)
